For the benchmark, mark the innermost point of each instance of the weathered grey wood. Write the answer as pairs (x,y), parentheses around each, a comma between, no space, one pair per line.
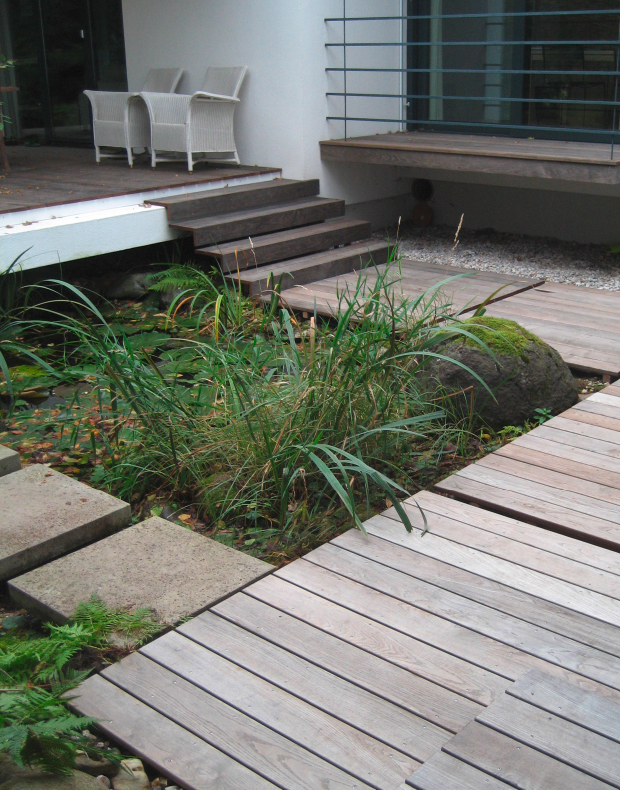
(423,565)
(299,271)
(467,645)
(516,764)
(549,514)
(423,658)
(566,430)
(602,427)
(345,747)
(246,196)
(443,772)
(378,718)
(172,750)
(560,739)
(250,743)
(460,610)
(257,221)
(553,578)
(404,688)
(517,531)
(287,244)
(584,464)
(416,152)
(561,478)
(587,708)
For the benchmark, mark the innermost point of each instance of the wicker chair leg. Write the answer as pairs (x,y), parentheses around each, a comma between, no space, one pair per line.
(190,162)
(97,154)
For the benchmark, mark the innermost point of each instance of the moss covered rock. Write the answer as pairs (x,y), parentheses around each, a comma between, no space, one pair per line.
(526,373)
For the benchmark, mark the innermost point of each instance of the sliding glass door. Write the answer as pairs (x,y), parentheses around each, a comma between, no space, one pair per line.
(59,48)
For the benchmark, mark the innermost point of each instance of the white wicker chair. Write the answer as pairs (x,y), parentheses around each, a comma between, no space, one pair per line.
(198,124)
(121,120)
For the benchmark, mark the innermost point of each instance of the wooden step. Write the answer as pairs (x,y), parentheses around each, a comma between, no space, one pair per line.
(253,222)
(222,201)
(309,268)
(286,244)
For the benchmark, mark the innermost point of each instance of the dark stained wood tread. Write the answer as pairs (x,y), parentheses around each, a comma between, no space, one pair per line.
(236,198)
(258,221)
(298,271)
(284,244)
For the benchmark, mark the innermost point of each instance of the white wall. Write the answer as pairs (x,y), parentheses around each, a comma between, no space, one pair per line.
(282,115)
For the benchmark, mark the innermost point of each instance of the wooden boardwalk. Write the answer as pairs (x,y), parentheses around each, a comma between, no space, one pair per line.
(582,324)
(564,475)
(454,289)
(485,650)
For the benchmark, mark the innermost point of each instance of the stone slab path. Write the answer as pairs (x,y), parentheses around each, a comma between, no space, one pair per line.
(155,564)
(564,475)
(45,514)
(9,461)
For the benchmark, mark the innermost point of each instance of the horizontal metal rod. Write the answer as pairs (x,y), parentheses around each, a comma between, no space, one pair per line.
(489,99)
(579,43)
(549,73)
(479,15)
(411,122)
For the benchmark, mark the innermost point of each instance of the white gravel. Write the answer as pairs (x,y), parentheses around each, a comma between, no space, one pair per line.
(588,265)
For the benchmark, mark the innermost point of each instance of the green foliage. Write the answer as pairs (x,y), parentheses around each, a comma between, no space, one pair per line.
(500,335)
(268,425)
(37,729)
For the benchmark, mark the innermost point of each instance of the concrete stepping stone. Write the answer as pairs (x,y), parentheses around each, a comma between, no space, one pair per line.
(170,569)
(9,461)
(45,514)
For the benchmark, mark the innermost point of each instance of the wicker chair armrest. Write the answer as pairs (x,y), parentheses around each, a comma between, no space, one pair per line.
(213,96)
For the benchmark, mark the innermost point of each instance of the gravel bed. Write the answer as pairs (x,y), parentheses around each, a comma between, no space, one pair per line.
(587,265)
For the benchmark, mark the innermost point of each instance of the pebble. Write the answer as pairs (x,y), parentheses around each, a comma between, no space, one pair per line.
(585,265)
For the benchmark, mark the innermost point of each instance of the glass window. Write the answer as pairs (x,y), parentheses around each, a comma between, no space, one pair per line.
(518,66)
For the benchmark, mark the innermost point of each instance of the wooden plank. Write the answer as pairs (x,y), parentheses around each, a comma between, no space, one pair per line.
(236,198)
(470,614)
(258,221)
(516,764)
(443,772)
(584,464)
(287,244)
(343,746)
(564,741)
(601,427)
(470,646)
(587,708)
(300,271)
(537,572)
(378,546)
(518,531)
(537,511)
(258,748)
(601,409)
(560,479)
(404,688)
(575,433)
(565,497)
(366,712)
(423,658)
(172,750)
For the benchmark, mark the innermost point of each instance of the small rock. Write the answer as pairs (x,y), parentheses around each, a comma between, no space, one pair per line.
(93,767)
(129,286)
(131,776)
(104,781)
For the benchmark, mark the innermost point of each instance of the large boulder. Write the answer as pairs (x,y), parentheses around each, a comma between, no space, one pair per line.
(526,374)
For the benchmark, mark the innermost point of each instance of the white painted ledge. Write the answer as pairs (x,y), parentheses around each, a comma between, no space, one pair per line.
(72,231)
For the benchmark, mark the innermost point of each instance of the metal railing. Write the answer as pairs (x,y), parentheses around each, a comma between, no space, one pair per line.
(518,96)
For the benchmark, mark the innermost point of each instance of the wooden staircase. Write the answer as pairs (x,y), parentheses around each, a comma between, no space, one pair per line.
(280,228)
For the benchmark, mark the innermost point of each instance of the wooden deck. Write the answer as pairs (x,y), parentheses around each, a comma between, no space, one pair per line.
(582,324)
(49,176)
(564,475)
(486,650)
(435,151)
(455,289)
